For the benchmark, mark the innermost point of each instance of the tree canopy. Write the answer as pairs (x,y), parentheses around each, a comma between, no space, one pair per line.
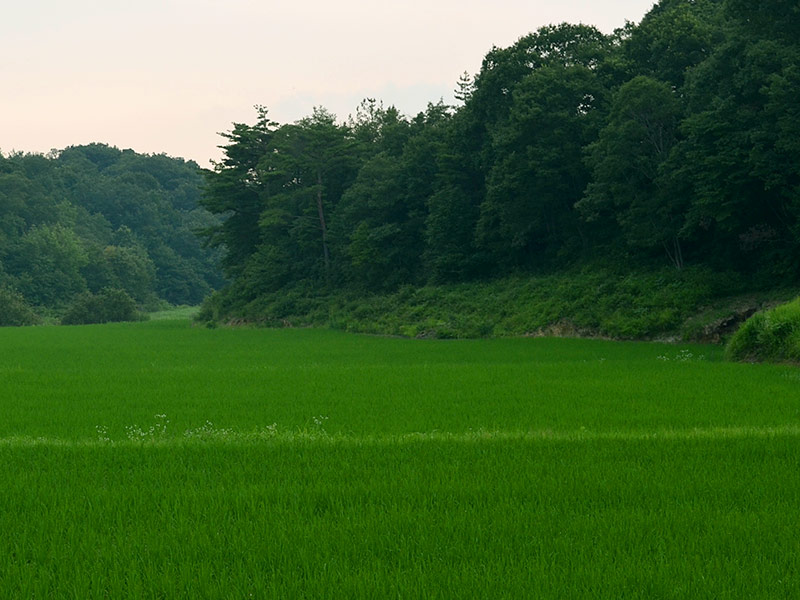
(94,217)
(672,141)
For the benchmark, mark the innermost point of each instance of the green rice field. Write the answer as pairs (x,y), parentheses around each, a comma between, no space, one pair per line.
(161,460)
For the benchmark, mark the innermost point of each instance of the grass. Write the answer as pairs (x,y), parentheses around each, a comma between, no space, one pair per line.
(174,313)
(772,335)
(161,460)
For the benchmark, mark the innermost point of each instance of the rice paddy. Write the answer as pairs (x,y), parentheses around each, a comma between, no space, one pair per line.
(161,460)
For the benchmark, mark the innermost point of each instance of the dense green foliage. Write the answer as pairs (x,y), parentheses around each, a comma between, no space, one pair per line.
(594,300)
(160,460)
(107,306)
(672,142)
(769,335)
(14,310)
(93,217)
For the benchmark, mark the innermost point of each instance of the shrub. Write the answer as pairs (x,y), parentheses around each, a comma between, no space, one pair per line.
(107,306)
(14,310)
(773,335)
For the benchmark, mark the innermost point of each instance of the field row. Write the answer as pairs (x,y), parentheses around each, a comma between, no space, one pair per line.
(271,436)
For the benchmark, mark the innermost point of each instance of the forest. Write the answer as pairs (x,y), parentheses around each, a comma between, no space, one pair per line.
(664,157)
(86,220)
(670,144)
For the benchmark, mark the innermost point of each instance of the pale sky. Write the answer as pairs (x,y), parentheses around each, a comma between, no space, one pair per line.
(168,75)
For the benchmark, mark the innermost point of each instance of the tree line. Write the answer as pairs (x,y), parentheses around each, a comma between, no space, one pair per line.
(672,141)
(92,218)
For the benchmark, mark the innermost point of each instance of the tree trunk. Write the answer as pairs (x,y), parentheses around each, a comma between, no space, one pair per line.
(674,252)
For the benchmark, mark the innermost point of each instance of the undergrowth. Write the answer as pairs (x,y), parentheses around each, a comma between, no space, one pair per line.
(590,302)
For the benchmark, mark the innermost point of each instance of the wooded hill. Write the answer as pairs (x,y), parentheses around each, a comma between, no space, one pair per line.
(625,180)
(93,217)
(670,144)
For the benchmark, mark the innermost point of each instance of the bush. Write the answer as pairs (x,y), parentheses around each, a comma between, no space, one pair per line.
(107,306)
(772,335)
(14,310)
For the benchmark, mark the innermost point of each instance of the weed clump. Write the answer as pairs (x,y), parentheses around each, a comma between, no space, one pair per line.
(772,335)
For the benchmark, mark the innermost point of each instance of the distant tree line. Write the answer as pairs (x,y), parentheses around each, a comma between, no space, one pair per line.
(674,141)
(93,218)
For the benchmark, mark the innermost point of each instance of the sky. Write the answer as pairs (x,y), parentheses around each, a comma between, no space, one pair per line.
(166,76)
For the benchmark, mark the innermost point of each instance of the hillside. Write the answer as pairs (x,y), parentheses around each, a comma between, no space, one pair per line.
(93,217)
(616,183)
